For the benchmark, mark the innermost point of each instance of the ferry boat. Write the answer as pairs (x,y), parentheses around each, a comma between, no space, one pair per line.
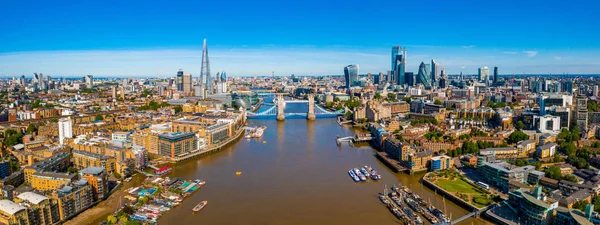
(260,131)
(200,206)
(359,174)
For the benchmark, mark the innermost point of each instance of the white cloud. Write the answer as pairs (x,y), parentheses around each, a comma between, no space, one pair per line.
(530,53)
(468,46)
(509,53)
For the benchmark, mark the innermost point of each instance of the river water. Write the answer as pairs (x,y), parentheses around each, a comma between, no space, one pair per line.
(299,176)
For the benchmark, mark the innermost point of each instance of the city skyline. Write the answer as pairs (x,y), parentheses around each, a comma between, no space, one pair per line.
(67,41)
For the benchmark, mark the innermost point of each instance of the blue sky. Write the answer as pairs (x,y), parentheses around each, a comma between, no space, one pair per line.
(156,38)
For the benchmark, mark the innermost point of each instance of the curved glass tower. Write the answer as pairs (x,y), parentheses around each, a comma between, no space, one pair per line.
(423,75)
(351,75)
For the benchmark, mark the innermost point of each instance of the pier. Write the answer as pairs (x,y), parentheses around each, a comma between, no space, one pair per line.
(354,139)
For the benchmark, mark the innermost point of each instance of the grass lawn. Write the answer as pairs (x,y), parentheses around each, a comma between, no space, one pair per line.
(456,185)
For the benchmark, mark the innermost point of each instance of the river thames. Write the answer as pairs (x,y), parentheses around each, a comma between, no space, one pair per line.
(299,176)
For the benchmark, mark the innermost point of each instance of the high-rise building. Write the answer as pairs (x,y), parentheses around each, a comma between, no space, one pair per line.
(399,65)
(581,114)
(435,73)
(423,75)
(179,80)
(221,82)
(410,78)
(65,129)
(595,91)
(568,86)
(114,92)
(351,75)
(495,74)
(484,74)
(205,70)
(380,78)
(89,81)
(187,83)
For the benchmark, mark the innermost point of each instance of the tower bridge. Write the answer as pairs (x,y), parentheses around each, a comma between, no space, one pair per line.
(278,110)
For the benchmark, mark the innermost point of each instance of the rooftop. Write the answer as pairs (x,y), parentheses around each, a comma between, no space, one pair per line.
(10,207)
(32,197)
(92,170)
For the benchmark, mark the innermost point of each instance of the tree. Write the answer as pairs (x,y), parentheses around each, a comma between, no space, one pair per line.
(517,136)
(568,148)
(99,117)
(437,102)
(378,96)
(72,169)
(391,97)
(520,125)
(592,106)
(407,99)
(111,219)
(553,172)
(31,128)
(177,109)
(580,205)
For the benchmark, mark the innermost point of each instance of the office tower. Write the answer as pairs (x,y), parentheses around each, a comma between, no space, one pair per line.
(495,74)
(187,83)
(423,75)
(380,78)
(351,75)
(542,106)
(205,70)
(581,114)
(390,77)
(370,77)
(568,86)
(395,51)
(65,129)
(400,64)
(435,73)
(410,78)
(595,91)
(484,74)
(221,82)
(179,80)
(89,81)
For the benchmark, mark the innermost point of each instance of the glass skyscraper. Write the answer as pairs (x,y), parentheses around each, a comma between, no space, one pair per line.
(399,63)
(423,75)
(435,73)
(351,75)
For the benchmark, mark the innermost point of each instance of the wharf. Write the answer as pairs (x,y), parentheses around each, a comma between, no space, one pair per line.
(393,164)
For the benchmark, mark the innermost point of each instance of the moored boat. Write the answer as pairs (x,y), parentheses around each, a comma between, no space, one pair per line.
(200,206)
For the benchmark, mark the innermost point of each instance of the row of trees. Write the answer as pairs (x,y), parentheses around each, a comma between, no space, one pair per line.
(153,106)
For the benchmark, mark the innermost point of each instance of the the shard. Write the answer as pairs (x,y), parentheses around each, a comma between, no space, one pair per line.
(205,70)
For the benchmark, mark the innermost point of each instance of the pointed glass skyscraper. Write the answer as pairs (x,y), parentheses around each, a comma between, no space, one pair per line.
(423,75)
(205,79)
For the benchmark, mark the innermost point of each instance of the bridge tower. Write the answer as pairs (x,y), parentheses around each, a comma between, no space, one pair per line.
(280,107)
(311,107)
